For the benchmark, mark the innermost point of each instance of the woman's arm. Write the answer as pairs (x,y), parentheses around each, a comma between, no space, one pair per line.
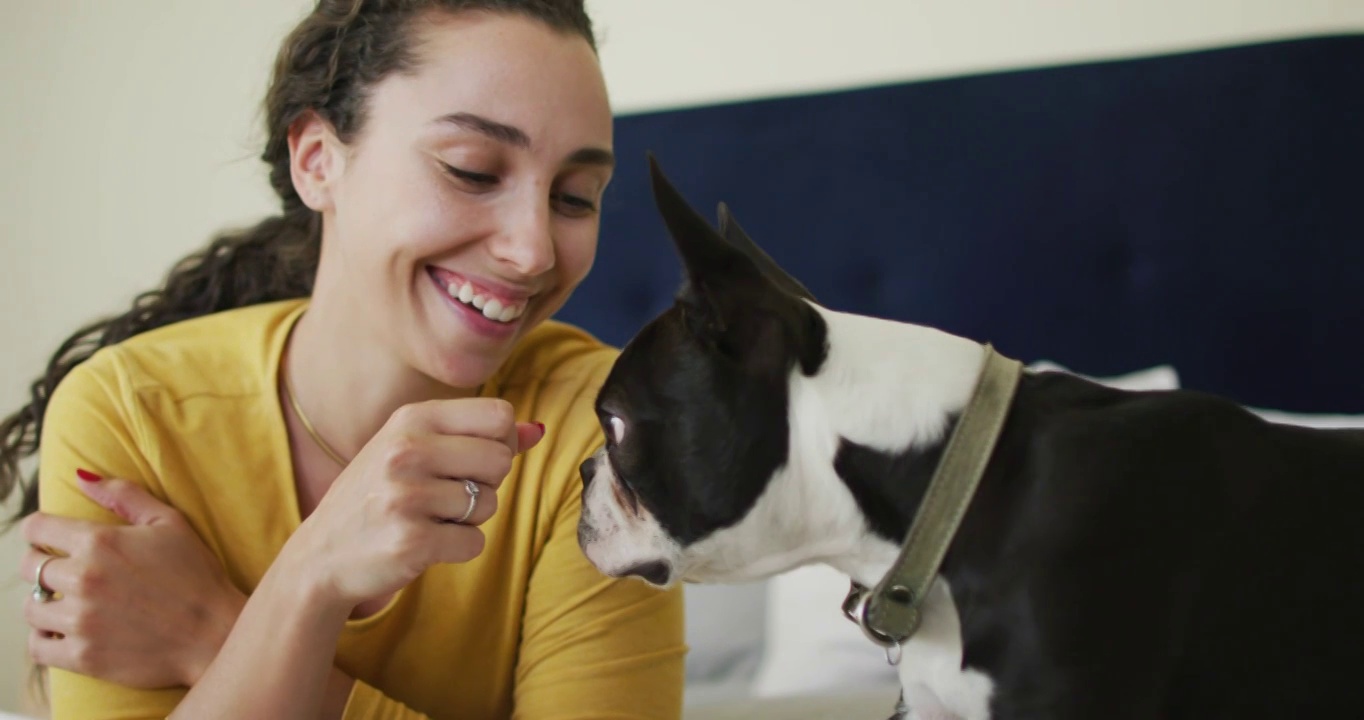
(89,424)
(144,604)
(87,427)
(150,606)
(596,646)
(592,646)
(277,661)
(381,524)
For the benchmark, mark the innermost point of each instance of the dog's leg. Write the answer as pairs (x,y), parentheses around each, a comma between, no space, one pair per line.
(917,702)
(934,685)
(901,709)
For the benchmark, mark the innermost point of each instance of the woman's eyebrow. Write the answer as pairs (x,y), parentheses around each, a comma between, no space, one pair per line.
(593,156)
(511,135)
(498,131)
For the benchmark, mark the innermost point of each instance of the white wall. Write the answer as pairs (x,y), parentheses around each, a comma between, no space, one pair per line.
(665,53)
(128,132)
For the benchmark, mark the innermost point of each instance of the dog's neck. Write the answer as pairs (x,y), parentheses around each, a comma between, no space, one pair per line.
(889,387)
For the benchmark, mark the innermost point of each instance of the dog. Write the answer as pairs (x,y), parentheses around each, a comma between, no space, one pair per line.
(1125,554)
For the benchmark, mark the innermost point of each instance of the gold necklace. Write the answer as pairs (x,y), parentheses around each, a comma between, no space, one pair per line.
(308,425)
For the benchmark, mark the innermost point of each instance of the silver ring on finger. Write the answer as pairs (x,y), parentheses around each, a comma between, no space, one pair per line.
(470,487)
(41,592)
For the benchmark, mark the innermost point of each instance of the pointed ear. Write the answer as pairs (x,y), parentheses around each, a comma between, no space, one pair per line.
(711,262)
(729,302)
(731,231)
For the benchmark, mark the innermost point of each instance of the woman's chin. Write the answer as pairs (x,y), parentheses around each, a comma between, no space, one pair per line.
(463,369)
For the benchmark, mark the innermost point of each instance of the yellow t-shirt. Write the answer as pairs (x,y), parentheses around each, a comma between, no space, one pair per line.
(529,629)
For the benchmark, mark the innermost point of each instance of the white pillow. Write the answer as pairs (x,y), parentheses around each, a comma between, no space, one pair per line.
(1310,419)
(1164,377)
(811,648)
(1159,377)
(725,626)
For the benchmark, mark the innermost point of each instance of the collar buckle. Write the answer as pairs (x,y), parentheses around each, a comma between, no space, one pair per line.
(856,608)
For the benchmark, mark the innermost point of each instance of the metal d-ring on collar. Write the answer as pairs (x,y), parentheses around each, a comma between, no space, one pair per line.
(889,614)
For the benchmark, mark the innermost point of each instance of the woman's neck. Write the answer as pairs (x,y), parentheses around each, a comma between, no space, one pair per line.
(348,386)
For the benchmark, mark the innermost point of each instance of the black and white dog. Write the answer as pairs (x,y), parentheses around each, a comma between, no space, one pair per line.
(1126,555)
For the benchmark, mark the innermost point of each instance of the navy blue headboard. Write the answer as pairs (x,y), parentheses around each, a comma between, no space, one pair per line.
(1202,209)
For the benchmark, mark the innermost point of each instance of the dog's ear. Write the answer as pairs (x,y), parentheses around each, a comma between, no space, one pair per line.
(728,302)
(715,269)
(734,233)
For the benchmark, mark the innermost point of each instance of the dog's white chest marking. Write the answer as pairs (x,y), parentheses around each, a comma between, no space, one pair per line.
(891,400)
(936,687)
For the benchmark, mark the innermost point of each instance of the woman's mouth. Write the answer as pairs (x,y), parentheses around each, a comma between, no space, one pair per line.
(497,309)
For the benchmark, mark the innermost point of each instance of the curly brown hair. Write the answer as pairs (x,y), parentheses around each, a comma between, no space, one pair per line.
(326,65)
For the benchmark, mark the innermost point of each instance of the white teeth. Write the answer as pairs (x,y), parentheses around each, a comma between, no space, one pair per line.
(492,308)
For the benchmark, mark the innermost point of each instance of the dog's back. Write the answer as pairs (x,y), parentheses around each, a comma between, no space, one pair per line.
(1221,555)
(1278,610)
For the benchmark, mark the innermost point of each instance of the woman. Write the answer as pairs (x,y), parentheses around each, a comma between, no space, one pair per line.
(389,466)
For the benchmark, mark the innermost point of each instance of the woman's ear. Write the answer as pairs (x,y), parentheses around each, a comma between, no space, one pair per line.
(315,160)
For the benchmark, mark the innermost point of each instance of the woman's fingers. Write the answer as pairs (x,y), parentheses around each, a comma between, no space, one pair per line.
(144,605)
(451,501)
(128,500)
(68,653)
(54,532)
(28,566)
(43,648)
(85,553)
(528,435)
(402,503)
(484,461)
(55,569)
(458,543)
(488,418)
(49,617)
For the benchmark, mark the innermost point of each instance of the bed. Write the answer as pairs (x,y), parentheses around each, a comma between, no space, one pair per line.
(1191,219)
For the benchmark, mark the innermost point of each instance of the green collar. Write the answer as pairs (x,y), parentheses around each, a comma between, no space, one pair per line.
(889,613)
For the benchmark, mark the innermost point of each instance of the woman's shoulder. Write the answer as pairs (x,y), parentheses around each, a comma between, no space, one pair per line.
(557,354)
(223,353)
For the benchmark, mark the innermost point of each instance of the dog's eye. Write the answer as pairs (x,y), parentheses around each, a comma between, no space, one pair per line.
(617,429)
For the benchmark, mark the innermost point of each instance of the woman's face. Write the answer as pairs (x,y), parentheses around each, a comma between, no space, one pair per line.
(466,209)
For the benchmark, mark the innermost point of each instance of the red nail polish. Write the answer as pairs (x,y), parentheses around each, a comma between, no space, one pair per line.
(87,476)
(541,426)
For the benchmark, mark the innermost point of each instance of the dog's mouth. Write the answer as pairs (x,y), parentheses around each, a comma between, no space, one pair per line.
(625,498)
(655,572)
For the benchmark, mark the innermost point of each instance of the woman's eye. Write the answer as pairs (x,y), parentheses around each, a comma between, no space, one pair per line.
(573,205)
(482,180)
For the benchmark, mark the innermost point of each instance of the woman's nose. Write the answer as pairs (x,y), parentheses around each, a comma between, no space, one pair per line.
(526,241)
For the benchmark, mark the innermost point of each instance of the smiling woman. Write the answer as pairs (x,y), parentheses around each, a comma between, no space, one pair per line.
(311,475)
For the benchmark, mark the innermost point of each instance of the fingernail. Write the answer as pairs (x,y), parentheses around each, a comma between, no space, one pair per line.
(541,426)
(87,476)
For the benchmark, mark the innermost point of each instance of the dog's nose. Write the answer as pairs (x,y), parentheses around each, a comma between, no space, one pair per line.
(588,469)
(656,572)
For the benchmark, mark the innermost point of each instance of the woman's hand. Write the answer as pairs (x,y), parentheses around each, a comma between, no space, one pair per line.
(145,604)
(397,508)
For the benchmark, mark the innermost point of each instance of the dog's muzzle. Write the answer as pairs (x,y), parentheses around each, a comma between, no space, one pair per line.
(587,469)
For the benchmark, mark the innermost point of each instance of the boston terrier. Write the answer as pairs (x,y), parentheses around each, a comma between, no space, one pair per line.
(1124,555)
